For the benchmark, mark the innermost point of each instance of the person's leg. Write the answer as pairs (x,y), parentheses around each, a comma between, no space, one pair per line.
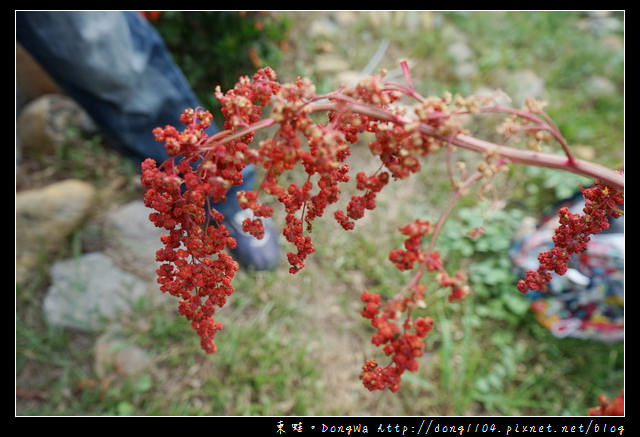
(117,67)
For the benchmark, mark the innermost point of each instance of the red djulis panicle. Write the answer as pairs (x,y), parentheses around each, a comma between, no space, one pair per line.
(201,169)
(573,234)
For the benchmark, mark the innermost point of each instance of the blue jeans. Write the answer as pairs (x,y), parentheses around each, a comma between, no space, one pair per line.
(118,68)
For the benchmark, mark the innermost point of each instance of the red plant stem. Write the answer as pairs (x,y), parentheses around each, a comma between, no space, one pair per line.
(539,159)
(548,125)
(513,155)
(262,124)
(516,156)
(449,206)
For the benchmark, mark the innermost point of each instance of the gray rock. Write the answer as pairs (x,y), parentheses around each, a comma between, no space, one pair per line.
(605,25)
(597,87)
(419,21)
(344,18)
(89,291)
(45,217)
(114,353)
(451,34)
(330,63)
(612,42)
(42,125)
(132,240)
(347,77)
(523,84)
(465,70)
(323,26)
(460,52)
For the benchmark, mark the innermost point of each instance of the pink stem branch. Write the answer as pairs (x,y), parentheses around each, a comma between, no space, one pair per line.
(540,159)
(513,155)
(545,124)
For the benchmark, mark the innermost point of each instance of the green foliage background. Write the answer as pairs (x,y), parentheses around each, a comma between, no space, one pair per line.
(213,48)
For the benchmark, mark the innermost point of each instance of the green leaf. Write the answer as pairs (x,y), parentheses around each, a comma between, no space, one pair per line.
(125,408)
(516,303)
(144,383)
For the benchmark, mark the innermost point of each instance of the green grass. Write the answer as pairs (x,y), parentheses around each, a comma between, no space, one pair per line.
(554,46)
(294,344)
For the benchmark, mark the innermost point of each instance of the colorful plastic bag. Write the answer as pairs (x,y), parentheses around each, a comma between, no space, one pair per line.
(588,301)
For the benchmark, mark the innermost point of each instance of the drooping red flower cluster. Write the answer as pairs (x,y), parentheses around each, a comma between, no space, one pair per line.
(609,407)
(413,253)
(405,259)
(188,270)
(458,284)
(200,171)
(574,233)
(403,343)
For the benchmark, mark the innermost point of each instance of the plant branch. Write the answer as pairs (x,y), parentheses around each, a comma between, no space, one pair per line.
(513,155)
(546,124)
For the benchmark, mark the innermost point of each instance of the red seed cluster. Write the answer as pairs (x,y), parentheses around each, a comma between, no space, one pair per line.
(201,170)
(458,284)
(402,343)
(405,259)
(413,253)
(574,233)
(194,267)
(609,407)
(405,342)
